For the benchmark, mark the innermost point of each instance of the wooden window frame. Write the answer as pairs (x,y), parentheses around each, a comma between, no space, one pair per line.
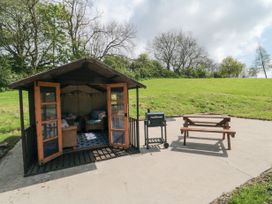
(39,122)
(125,101)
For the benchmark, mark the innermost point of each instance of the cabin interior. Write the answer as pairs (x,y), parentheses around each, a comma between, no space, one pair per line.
(85,116)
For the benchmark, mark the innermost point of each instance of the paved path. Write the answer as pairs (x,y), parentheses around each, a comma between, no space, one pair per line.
(197,173)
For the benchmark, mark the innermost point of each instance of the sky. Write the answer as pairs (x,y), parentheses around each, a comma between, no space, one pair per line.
(222,27)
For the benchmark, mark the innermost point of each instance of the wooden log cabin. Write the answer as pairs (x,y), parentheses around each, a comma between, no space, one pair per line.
(76,107)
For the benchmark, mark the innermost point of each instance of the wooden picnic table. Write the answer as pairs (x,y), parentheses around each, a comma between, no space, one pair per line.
(208,123)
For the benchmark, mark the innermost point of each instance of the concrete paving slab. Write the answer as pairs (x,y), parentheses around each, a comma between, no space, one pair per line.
(197,173)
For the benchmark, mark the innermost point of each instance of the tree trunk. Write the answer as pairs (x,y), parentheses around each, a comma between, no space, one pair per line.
(263,65)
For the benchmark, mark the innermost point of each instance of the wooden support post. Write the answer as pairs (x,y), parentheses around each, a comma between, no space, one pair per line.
(137,124)
(21,108)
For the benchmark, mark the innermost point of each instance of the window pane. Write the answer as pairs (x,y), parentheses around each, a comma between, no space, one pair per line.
(118,137)
(49,112)
(48,94)
(49,130)
(50,147)
(117,107)
(117,122)
(117,94)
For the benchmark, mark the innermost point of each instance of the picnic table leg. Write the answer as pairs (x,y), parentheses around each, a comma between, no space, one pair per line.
(229,144)
(186,124)
(225,127)
(185,135)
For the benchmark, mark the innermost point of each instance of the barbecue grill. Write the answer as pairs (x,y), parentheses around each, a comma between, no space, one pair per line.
(153,119)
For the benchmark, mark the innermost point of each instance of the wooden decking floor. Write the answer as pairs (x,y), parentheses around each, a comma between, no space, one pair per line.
(72,159)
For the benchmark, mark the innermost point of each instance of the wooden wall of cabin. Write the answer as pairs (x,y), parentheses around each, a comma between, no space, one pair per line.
(29,137)
(32,124)
(31,108)
(80,103)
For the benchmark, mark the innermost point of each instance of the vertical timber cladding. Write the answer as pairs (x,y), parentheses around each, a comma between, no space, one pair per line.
(31,137)
(28,134)
(81,103)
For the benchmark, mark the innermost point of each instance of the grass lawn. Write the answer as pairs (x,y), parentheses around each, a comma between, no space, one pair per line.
(256,191)
(10,118)
(249,98)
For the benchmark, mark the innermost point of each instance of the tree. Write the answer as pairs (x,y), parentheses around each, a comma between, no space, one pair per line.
(53,25)
(32,35)
(77,23)
(164,46)
(231,67)
(139,68)
(120,63)
(38,35)
(144,67)
(5,72)
(15,33)
(88,37)
(262,60)
(253,72)
(179,52)
(112,38)
(188,53)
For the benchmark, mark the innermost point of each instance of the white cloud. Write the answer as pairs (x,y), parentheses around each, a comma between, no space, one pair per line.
(223,27)
(117,10)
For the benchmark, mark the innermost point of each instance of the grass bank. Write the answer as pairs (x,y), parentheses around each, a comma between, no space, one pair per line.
(256,191)
(10,118)
(249,98)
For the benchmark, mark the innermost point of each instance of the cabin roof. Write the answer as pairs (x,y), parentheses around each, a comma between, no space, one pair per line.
(87,71)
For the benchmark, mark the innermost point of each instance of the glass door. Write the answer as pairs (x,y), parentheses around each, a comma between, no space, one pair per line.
(118,115)
(48,121)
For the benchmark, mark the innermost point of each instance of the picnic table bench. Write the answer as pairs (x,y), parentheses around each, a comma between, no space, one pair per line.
(207,123)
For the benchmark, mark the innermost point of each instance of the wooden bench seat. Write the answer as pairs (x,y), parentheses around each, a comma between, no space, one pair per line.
(228,132)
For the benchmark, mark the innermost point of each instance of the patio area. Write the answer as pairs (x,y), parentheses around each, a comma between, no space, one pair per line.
(196,173)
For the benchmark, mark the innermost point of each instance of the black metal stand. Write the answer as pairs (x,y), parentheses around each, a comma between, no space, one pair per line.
(155,140)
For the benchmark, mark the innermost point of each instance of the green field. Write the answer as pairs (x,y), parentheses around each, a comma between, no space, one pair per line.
(9,116)
(256,191)
(250,98)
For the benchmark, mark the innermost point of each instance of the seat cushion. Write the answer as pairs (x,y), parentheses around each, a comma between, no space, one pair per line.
(64,123)
(91,122)
(97,115)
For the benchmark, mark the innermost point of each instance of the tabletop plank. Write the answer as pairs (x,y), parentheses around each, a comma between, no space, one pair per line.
(207,116)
